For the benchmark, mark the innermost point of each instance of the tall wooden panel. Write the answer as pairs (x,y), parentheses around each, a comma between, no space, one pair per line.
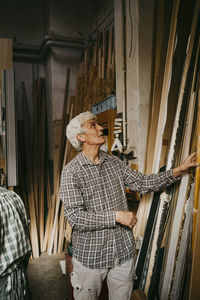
(6,62)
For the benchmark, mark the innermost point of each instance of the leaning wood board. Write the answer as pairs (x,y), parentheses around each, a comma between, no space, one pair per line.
(182,254)
(166,283)
(6,62)
(165,199)
(158,127)
(197,177)
(185,234)
(194,282)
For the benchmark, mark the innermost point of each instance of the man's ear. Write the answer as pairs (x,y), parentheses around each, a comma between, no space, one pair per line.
(81,138)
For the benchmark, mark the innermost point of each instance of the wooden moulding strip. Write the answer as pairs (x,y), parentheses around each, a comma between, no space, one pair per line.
(97,48)
(33,225)
(99,64)
(94,59)
(166,283)
(171,250)
(194,282)
(197,177)
(55,241)
(35,145)
(102,67)
(165,89)
(109,60)
(31,200)
(41,162)
(55,206)
(6,54)
(47,229)
(182,248)
(164,197)
(158,128)
(159,9)
(61,230)
(104,56)
(163,43)
(61,220)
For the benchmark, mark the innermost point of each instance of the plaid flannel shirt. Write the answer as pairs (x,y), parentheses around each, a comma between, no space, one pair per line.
(91,194)
(14,238)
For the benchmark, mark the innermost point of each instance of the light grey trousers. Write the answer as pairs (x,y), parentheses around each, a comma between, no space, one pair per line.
(87,283)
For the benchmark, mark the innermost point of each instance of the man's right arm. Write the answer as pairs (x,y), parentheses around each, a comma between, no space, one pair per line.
(77,216)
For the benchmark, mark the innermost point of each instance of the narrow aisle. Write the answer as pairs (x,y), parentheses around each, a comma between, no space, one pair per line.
(45,277)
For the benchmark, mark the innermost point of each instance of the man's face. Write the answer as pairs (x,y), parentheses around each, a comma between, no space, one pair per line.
(93,133)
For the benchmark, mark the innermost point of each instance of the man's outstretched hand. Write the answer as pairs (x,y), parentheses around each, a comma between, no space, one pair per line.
(189,162)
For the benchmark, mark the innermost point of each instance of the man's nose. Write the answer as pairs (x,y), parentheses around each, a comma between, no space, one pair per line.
(100,127)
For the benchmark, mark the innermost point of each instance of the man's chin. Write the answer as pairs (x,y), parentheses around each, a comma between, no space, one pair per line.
(104,140)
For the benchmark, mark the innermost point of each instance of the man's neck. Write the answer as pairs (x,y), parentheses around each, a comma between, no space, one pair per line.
(92,153)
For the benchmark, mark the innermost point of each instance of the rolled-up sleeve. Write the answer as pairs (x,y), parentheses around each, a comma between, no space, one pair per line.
(147,183)
(77,216)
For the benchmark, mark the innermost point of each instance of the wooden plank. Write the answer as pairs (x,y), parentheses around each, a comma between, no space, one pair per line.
(182,254)
(30,196)
(42,161)
(194,279)
(165,199)
(6,55)
(104,53)
(166,283)
(56,198)
(99,64)
(119,52)
(6,62)
(61,220)
(162,68)
(61,230)
(141,260)
(109,60)
(165,89)
(194,283)
(177,212)
(197,177)
(156,132)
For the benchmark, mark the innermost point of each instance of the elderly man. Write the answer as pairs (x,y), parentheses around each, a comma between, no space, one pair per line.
(93,192)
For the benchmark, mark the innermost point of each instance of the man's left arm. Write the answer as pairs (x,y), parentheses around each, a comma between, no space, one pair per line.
(155,182)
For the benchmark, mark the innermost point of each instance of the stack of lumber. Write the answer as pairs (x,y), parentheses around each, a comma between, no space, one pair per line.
(173,134)
(34,172)
(43,207)
(96,78)
(95,82)
(96,72)
(34,185)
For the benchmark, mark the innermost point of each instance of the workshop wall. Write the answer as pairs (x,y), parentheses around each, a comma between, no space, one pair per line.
(133,45)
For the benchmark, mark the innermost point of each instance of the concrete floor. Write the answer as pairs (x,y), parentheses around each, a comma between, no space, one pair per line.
(46,279)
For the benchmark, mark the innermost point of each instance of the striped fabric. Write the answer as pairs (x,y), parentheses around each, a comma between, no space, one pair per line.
(14,245)
(91,194)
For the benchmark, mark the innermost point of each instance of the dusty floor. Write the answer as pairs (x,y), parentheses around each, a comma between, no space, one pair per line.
(46,280)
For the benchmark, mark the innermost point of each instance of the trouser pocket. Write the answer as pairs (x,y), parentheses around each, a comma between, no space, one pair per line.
(75,283)
(87,283)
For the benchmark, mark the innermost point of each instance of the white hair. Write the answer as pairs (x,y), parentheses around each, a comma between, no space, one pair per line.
(75,127)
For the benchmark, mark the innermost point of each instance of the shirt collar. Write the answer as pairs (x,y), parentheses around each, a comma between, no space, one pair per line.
(83,160)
